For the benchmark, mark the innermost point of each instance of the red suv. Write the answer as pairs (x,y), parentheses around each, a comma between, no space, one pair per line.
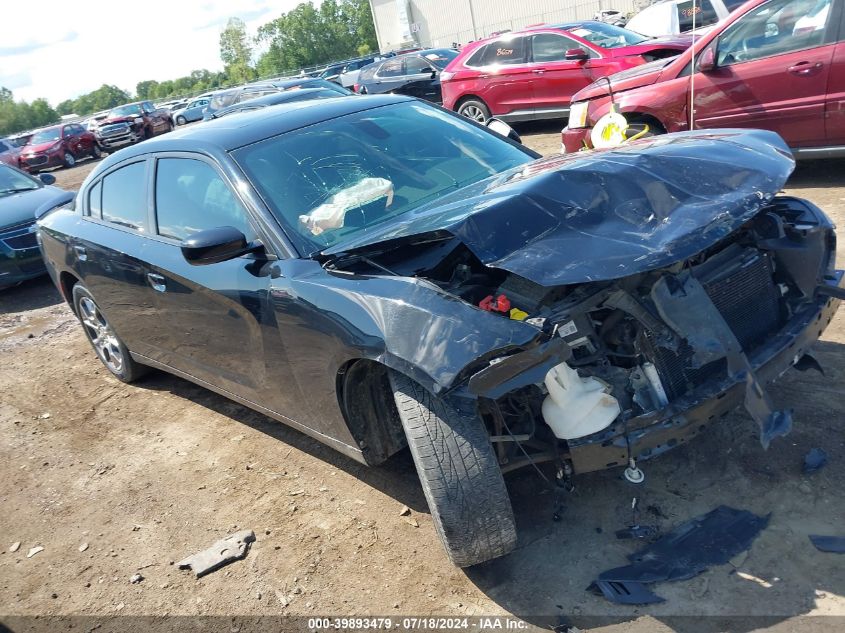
(532,74)
(773,64)
(58,145)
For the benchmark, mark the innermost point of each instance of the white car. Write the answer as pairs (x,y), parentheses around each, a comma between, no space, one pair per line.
(673,17)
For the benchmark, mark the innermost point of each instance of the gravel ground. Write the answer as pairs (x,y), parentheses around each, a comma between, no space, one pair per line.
(113,480)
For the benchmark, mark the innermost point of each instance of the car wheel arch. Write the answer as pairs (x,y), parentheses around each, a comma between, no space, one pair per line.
(67,281)
(369,410)
(656,125)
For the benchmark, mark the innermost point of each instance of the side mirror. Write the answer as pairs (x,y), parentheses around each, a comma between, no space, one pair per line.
(707,61)
(47,179)
(434,74)
(215,245)
(576,55)
(503,129)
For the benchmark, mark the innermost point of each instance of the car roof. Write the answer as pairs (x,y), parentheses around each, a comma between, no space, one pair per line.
(244,128)
(275,99)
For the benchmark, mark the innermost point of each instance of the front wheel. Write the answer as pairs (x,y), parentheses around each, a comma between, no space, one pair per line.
(69,159)
(475,110)
(460,476)
(180,120)
(97,151)
(108,346)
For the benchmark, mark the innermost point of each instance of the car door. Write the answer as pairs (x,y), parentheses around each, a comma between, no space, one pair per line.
(772,70)
(506,79)
(214,315)
(835,105)
(556,79)
(109,248)
(388,76)
(85,141)
(70,141)
(420,80)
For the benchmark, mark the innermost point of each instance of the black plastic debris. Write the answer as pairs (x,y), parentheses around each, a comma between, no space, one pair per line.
(830,544)
(624,592)
(641,532)
(814,460)
(688,550)
(807,362)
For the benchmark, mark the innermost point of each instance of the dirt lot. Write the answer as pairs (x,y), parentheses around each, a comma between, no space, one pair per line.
(147,474)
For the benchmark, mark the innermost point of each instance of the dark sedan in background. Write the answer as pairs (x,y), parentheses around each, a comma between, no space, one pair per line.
(413,74)
(288,96)
(233,96)
(23,199)
(379,272)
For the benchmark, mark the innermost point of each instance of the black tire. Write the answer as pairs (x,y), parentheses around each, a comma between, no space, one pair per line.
(475,109)
(459,473)
(180,120)
(148,132)
(97,151)
(107,345)
(68,160)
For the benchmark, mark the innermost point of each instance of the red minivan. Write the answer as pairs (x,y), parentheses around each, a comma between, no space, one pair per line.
(532,74)
(773,64)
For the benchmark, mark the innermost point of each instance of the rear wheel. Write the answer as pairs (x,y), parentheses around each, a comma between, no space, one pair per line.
(475,109)
(108,346)
(69,159)
(460,476)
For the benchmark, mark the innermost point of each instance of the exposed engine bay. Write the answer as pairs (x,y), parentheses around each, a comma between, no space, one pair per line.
(650,357)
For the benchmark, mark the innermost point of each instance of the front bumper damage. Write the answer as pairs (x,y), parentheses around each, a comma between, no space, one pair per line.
(649,435)
(652,434)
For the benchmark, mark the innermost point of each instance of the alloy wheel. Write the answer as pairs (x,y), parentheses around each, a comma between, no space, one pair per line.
(101,335)
(474,113)
(70,161)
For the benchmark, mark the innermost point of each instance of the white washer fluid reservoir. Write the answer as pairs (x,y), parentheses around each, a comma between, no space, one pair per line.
(577,406)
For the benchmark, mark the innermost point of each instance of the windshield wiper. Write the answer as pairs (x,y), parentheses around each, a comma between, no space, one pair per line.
(18,190)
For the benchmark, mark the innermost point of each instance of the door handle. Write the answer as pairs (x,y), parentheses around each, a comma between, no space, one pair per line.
(484,76)
(538,71)
(157,281)
(805,68)
(81,253)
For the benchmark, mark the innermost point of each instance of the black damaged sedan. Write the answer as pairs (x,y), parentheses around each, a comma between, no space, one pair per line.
(379,272)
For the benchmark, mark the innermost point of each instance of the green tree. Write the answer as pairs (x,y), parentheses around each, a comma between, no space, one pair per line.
(307,36)
(236,51)
(146,89)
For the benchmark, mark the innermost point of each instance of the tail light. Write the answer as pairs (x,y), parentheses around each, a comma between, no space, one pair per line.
(446,76)
(356,87)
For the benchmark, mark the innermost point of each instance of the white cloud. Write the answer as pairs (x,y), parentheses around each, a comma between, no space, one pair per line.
(59,50)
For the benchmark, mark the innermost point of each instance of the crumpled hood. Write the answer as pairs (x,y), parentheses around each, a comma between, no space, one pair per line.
(636,77)
(607,214)
(18,208)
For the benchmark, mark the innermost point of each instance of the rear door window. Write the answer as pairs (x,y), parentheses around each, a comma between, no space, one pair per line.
(391,68)
(95,195)
(191,196)
(504,52)
(696,14)
(124,199)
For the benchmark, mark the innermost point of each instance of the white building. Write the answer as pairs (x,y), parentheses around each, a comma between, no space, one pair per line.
(434,23)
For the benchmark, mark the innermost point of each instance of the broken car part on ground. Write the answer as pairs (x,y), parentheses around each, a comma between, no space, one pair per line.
(685,552)
(377,272)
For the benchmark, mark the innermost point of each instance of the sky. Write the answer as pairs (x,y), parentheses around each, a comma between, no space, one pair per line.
(59,50)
